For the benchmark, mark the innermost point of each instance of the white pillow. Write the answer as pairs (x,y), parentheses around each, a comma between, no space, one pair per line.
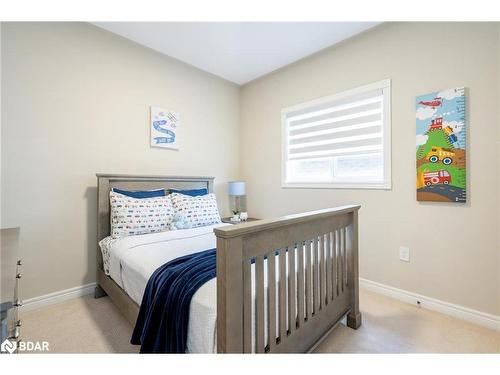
(134,216)
(196,211)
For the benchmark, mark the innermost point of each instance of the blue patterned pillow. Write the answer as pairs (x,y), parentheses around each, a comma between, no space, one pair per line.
(196,211)
(134,216)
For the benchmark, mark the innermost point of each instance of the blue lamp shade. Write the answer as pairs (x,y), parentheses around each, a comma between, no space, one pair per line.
(236,188)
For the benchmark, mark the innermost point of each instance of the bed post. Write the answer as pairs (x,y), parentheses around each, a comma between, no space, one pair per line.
(354,316)
(102,227)
(229,300)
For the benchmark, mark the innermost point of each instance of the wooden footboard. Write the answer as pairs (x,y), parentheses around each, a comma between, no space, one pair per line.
(282,284)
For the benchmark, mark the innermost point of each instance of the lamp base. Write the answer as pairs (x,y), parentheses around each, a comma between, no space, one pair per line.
(237,204)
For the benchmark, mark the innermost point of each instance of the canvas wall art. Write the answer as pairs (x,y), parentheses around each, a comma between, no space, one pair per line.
(441,146)
(164,128)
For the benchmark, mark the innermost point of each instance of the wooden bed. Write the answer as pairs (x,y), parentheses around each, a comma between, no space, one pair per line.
(303,305)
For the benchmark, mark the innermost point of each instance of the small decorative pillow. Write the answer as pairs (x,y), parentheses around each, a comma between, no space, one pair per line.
(133,216)
(178,222)
(196,211)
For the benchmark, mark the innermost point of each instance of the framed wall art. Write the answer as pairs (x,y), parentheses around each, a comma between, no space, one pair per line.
(164,128)
(441,146)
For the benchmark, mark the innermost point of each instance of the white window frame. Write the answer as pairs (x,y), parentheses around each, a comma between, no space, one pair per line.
(386,184)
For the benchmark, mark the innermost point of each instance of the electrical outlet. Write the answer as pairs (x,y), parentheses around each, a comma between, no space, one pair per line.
(404,253)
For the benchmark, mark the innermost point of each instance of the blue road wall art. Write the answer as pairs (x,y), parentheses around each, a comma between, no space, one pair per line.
(164,128)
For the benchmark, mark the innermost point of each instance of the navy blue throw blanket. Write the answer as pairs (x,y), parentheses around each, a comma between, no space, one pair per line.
(162,323)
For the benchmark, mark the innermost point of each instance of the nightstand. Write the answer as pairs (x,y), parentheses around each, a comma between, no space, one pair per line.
(227,220)
(10,300)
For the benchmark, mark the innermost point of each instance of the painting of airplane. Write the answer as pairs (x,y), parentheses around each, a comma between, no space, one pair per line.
(432,103)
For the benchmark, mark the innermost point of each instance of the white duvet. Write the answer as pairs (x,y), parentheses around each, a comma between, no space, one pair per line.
(132,260)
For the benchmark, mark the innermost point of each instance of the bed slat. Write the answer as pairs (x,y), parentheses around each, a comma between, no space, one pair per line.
(291,289)
(282,291)
(271,305)
(344,271)
(334,265)
(337,261)
(328,266)
(247,306)
(315,275)
(259,304)
(300,283)
(322,276)
(341,253)
(308,299)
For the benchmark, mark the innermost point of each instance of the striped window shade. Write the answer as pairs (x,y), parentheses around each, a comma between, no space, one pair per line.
(339,141)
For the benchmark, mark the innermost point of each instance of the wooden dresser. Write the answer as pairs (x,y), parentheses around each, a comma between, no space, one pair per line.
(10,285)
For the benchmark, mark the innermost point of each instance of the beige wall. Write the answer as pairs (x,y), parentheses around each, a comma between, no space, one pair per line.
(498,169)
(454,248)
(75,102)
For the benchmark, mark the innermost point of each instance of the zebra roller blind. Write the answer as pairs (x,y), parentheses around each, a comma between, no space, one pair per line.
(339,141)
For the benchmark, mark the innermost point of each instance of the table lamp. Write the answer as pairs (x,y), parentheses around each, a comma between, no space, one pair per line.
(237,199)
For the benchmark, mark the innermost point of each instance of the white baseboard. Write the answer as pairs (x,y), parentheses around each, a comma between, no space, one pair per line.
(474,316)
(57,297)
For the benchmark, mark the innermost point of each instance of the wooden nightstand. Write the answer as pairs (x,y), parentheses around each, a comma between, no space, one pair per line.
(10,300)
(227,220)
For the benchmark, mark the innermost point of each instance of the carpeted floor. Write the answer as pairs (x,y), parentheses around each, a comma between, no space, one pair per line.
(88,325)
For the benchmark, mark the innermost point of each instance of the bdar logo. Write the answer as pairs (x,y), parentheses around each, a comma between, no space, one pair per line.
(8,346)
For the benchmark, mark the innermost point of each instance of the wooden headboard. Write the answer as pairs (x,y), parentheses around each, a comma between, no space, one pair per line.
(106,182)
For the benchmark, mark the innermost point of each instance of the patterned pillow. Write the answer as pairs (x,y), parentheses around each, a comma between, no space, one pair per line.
(133,216)
(196,211)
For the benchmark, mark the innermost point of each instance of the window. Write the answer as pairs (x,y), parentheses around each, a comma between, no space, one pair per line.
(341,141)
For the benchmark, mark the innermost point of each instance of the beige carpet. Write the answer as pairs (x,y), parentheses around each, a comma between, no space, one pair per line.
(88,325)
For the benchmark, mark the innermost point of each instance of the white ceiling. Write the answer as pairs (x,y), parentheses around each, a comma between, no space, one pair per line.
(237,51)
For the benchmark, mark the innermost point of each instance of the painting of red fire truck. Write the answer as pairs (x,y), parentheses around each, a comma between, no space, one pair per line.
(441,146)
(438,177)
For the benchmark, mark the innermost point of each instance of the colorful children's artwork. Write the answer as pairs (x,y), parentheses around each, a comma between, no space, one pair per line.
(441,146)
(164,128)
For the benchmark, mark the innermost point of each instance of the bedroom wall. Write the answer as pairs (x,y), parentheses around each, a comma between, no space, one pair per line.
(498,169)
(75,102)
(454,248)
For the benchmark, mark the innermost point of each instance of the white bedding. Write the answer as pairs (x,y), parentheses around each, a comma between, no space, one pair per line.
(132,260)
